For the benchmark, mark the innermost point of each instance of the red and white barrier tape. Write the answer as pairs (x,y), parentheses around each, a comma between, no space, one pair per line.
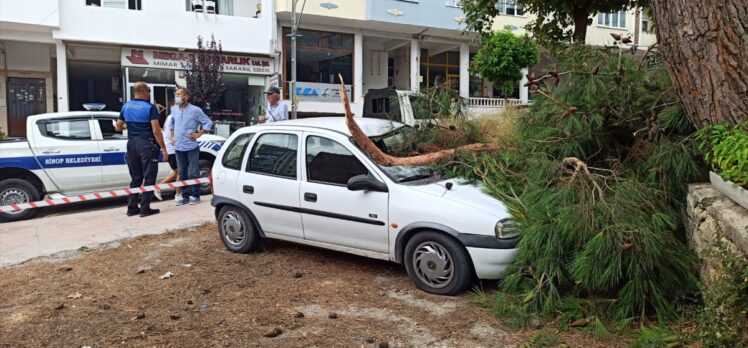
(99,195)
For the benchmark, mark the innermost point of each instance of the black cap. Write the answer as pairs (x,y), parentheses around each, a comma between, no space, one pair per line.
(272,90)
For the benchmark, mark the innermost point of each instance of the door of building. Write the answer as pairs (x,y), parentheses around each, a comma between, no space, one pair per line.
(161,95)
(25,97)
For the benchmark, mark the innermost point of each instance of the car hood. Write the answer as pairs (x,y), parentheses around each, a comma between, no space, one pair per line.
(466,194)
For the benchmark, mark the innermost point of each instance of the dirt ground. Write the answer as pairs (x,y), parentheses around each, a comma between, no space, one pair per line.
(115,296)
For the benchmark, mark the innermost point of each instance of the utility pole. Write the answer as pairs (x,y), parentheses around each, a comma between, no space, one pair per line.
(292,87)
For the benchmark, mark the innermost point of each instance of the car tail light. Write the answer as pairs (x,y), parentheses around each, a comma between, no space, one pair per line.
(210,178)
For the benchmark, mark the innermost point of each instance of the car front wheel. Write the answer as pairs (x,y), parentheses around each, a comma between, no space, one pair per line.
(237,231)
(437,264)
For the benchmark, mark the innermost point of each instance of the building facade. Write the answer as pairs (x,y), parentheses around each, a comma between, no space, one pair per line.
(56,55)
(71,52)
(406,45)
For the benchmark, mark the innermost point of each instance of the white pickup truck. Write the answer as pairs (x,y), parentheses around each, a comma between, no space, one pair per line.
(72,153)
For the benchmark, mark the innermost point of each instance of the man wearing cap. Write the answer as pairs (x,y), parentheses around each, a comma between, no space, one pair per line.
(276,111)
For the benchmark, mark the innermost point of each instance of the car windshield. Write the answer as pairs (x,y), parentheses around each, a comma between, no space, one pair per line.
(399,142)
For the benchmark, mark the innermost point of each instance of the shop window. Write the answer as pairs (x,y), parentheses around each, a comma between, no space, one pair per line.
(442,68)
(123,4)
(149,75)
(320,58)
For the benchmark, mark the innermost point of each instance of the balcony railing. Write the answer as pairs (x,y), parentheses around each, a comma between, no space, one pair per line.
(480,102)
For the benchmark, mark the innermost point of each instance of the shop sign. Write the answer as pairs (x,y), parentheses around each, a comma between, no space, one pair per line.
(165,59)
(311,91)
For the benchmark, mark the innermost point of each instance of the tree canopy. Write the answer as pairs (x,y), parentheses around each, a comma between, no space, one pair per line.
(557,20)
(502,57)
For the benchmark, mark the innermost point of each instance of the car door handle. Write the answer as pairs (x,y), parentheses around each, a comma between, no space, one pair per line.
(111,149)
(248,189)
(310,197)
(52,151)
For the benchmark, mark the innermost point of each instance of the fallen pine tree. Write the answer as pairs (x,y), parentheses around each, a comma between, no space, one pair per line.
(596,174)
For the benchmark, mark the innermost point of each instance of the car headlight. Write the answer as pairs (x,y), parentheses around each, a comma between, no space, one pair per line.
(506,228)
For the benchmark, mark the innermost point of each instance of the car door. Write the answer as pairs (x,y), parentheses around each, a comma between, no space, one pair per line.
(113,149)
(68,153)
(330,212)
(270,184)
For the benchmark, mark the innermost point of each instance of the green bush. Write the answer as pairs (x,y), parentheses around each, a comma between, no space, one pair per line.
(595,177)
(726,149)
(502,56)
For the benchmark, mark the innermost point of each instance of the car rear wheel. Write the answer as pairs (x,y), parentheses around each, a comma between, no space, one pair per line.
(17,191)
(205,167)
(437,264)
(237,231)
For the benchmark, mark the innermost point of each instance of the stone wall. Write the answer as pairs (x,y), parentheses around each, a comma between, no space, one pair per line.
(707,209)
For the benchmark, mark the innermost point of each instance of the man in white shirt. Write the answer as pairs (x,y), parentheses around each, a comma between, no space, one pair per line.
(276,111)
(171,150)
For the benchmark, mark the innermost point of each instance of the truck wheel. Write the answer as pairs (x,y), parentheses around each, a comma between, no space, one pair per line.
(437,264)
(205,168)
(16,191)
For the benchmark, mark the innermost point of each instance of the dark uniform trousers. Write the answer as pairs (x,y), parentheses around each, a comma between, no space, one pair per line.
(142,161)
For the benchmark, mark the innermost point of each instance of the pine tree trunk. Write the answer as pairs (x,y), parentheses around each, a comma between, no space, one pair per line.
(360,138)
(704,46)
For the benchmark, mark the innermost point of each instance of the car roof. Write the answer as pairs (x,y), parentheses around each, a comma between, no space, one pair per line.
(74,114)
(372,127)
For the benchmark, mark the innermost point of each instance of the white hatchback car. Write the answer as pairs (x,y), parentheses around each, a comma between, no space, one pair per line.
(305,181)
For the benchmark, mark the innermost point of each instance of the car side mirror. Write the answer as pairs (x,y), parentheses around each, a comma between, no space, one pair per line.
(365,182)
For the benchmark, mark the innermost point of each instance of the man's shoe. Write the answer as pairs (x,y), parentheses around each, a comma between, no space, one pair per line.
(181,201)
(194,200)
(132,213)
(149,212)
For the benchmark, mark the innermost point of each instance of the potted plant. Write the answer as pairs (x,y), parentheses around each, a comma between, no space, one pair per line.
(726,150)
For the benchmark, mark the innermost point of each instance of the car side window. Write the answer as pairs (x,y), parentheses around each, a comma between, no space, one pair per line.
(232,158)
(108,132)
(68,129)
(274,154)
(329,162)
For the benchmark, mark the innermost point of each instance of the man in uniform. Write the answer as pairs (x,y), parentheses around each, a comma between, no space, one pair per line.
(144,143)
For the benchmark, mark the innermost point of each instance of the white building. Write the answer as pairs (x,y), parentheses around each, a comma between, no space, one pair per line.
(59,54)
(56,55)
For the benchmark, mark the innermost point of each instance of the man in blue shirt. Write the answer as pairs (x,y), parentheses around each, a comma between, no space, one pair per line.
(144,142)
(188,122)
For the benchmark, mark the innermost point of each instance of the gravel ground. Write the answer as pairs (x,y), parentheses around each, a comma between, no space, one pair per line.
(114,296)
